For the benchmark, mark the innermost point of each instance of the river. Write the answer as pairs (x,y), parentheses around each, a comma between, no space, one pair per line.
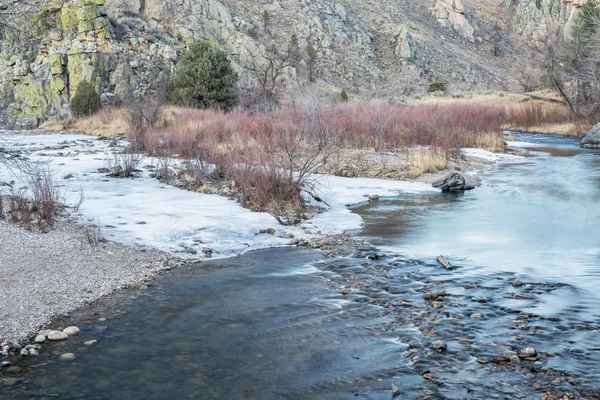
(287,323)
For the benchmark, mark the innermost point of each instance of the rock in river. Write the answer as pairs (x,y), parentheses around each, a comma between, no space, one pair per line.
(40,339)
(71,330)
(527,352)
(456,182)
(67,357)
(438,345)
(57,335)
(591,140)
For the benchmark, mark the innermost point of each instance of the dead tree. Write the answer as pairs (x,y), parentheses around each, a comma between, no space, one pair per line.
(266,67)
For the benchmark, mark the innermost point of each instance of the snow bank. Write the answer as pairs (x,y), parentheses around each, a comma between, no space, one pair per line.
(146,212)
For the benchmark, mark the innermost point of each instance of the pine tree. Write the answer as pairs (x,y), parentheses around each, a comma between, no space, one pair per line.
(204,78)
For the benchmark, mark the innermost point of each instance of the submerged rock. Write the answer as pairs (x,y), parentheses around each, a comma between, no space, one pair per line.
(591,140)
(456,182)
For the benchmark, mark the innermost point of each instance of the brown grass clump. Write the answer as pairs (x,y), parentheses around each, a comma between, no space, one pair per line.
(426,161)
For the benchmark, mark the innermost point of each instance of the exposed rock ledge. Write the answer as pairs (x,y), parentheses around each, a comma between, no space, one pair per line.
(456,182)
(591,140)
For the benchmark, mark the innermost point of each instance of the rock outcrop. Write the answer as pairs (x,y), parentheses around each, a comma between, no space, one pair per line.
(451,14)
(128,48)
(591,140)
(456,182)
(532,17)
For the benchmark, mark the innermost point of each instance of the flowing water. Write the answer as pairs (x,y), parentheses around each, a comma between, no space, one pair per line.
(286,323)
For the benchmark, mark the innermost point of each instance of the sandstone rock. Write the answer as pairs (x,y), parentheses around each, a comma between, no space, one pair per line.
(57,335)
(456,182)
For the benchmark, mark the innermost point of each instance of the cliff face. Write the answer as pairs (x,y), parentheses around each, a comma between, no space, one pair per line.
(129,47)
(531,17)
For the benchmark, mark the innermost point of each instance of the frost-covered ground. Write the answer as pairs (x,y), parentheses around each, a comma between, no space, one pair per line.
(145,212)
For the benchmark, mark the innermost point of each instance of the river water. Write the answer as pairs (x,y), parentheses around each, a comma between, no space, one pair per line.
(287,323)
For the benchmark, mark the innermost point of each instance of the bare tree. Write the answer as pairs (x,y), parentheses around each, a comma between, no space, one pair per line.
(267,66)
(551,44)
(17,18)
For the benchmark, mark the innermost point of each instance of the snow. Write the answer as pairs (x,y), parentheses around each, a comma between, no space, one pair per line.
(488,155)
(145,212)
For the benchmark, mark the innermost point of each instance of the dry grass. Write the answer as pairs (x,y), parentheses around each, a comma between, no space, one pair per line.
(426,161)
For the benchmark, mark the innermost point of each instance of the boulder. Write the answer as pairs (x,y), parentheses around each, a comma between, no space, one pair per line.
(591,140)
(456,182)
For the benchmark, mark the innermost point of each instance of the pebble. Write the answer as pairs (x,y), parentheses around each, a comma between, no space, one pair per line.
(67,357)
(13,369)
(40,339)
(482,360)
(24,352)
(4,364)
(517,283)
(44,332)
(476,316)
(438,345)
(10,382)
(528,351)
(57,335)
(34,352)
(71,330)
(90,342)
(480,299)
(437,304)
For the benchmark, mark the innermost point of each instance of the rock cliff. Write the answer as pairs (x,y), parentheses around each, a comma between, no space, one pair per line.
(129,47)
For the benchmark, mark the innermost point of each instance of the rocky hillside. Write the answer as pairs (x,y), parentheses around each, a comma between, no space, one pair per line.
(129,47)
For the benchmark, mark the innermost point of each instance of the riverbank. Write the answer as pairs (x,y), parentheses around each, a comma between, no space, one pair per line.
(44,275)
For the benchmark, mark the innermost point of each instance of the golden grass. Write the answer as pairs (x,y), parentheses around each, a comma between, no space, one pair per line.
(426,160)
(491,141)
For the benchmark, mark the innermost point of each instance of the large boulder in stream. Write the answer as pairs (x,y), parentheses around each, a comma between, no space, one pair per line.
(456,182)
(591,140)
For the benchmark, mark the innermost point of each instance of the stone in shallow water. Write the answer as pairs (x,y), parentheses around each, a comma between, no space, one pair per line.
(456,182)
(40,339)
(517,283)
(438,345)
(71,330)
(527,352)
(57,335)
(90,342)
(67,357)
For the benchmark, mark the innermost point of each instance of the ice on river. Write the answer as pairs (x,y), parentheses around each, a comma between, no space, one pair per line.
(146,212)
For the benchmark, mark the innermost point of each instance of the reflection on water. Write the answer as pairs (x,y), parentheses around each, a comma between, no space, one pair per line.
(285,323)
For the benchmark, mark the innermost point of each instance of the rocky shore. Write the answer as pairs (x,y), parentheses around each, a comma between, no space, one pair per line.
(44,275)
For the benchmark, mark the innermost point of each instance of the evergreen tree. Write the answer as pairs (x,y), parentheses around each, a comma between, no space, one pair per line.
(204,78)
(86,100)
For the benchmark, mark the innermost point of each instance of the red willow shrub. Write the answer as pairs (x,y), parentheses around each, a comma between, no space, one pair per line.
(265,153)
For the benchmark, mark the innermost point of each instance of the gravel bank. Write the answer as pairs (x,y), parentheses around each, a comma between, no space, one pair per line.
(43,275)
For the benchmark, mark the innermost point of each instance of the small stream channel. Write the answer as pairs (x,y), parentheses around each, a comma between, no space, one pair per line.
(286,323)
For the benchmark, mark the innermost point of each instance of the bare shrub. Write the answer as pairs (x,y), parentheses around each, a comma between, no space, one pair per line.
(124,165)
(93,233)
(142,115)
